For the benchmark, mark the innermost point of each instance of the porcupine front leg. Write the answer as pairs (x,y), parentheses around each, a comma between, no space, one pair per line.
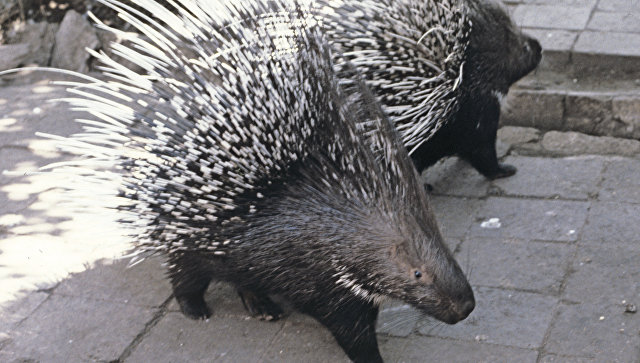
(353,325)
(261,305)
(482,154)
(190,281)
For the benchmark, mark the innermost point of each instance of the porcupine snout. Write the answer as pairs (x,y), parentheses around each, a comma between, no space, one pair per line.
(532,51)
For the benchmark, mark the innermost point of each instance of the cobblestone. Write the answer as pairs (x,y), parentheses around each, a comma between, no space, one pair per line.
(550,278)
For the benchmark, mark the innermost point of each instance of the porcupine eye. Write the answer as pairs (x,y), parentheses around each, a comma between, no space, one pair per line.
(417,274)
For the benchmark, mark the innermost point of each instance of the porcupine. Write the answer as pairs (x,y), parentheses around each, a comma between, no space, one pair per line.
(242,159)
(440,68)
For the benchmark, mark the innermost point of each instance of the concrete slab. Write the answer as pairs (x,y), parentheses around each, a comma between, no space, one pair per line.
(304,343)
(74,329)
(621,22)
(516,264)
(222,339)
(422,349)
(569,178)
(605,276)
(615,43)
(143,284)
(619,5)
(620,183)
(595,331)
(527,219)
(552,16)
(612,224)
(528,315)
(455,215)
(455,177)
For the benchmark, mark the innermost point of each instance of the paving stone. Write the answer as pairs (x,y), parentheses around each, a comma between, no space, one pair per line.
(547,220)
(455,215)
(605,276)
(579,3)
(13,312)
(620,181)
(556,16)
(595,332)
(144,284)
(570,178)
(576,143)
(176,338)
(624,22)
(432,349)
(622,44)
(304,343)
(513,318)
(553,39)
(71,329)
(612,223)
(453,176)
(27,111)
(619,5)
(530,108)
(553,358)
(515,264)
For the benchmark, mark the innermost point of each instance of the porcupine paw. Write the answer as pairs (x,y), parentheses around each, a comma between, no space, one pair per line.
(502,171)
(260,305)
(194,306)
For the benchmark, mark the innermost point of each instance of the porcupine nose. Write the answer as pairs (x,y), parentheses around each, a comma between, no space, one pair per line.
(536,50)
(466,308)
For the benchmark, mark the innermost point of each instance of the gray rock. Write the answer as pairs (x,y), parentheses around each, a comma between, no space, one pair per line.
(513,135)
(627,111)
(75,34)
(40,40)
(12,55)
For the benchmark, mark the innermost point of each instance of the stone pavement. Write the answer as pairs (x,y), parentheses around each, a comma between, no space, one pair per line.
(589,77)
(552,253)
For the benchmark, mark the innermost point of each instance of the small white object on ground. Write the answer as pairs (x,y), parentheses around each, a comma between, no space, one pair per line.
(491,223)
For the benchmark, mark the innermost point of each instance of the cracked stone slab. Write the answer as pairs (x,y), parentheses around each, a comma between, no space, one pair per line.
(569,178)
(530,219)
(621,183)
(594,331)
(71,329)
(176,338)
(144,284)
(613,224)
(432,349)
(512,318)
(304,343)
(516,264)
(454,215)
(452,176)
(605,275)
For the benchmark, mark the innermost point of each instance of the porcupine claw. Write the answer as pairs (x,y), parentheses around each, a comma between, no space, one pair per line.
(260,305)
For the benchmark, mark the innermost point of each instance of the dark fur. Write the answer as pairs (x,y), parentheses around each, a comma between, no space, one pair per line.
(289,246)
(498,55)
(316,227)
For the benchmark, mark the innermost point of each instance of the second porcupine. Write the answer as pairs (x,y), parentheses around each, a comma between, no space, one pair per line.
(242,160)
(440,68)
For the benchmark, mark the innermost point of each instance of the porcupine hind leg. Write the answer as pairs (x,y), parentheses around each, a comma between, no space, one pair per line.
(353,325)
(260,305)
(190,281)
